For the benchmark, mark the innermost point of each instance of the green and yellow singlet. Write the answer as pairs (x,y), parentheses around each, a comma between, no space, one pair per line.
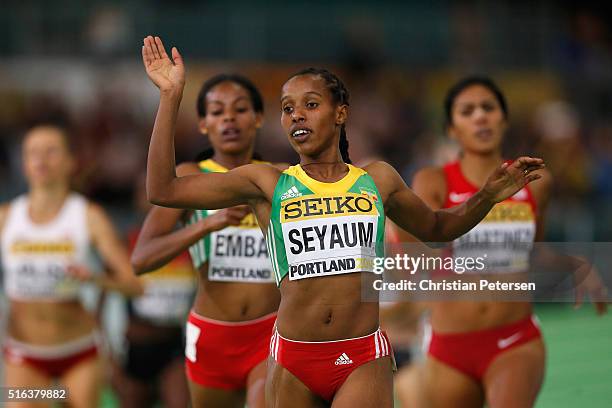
(235,253)
(319,229)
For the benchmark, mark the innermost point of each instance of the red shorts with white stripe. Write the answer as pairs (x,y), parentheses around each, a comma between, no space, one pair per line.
(222,354)
(472,353)
(54,361)
(323,366)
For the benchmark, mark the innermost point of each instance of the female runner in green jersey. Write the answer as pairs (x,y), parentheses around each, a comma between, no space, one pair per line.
(327,346)
(236,300)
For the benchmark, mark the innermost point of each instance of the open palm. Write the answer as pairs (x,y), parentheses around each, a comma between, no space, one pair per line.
(508,179)
(165,74)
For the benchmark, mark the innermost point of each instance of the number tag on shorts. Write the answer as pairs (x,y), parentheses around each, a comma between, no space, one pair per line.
(192,334)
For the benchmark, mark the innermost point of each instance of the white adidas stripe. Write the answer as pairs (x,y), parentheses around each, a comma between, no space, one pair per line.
(387,347)
(376,345)
(381,344)
(276,349)
(385,344)
(272,340)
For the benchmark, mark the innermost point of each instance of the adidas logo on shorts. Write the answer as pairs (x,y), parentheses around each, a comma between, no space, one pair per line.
(291,193)
(343,359)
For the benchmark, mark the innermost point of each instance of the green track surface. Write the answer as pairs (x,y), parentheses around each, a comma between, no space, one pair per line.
(579,353)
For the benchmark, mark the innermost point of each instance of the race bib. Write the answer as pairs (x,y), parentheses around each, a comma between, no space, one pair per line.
(239,254)
(503,239)
(329,235)
(44,279)
(165,300)
(168,293)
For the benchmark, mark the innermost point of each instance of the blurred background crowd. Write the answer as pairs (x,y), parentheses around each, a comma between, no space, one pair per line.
(78,63)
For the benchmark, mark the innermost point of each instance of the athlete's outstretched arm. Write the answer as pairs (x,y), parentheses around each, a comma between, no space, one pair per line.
(212,190)
(159,242)
(408,211)
(113,253)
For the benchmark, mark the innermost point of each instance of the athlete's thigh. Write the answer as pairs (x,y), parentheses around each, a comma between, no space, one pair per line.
(445,386)
(515,377)
(283,389)
(173,384)
(207,397)
(408,385)
(84,383)
(256,386)
(369,385)
(24,375)
(131,392)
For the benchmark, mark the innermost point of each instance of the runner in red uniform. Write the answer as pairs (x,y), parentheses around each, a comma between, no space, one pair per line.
(487,351)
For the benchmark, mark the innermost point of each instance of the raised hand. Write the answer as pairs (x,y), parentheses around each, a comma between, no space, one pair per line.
(167,75)
(508,179)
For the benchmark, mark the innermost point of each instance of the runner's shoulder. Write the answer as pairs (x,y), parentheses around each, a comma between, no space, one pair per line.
(259,169)
(95,212)
(380,168)
(4,208)
(187,168)
(430,182)
(385,176)
(431,174)
(281,166)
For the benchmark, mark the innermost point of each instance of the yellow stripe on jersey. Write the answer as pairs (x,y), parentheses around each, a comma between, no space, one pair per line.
(211,165)
(321,188)
(42,247)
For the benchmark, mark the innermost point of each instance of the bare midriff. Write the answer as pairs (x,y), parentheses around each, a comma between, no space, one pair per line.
(325,309)
(49,323)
